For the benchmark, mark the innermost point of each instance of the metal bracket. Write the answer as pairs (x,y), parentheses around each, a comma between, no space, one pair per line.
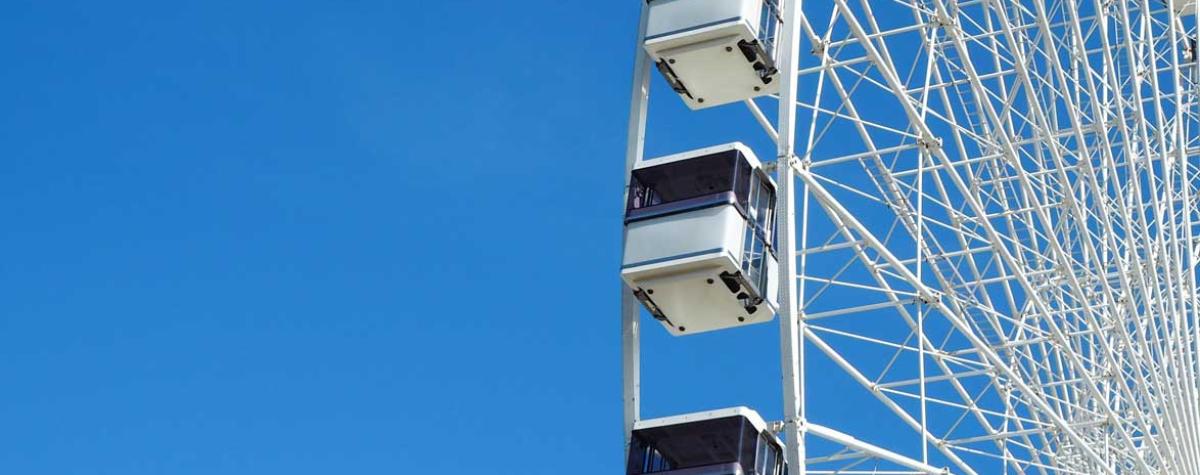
(930,144)
(651,306)
(943,21)
(927,298)
(739,286)
(794,163)
(820,48)
(672,79)
(758,58)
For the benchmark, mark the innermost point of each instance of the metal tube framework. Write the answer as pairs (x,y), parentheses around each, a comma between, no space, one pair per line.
(997,238)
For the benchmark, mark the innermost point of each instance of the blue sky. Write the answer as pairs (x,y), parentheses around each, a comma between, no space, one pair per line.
(331,237)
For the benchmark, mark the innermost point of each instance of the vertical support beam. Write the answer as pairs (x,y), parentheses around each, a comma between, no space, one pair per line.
(791,342)
(631,369)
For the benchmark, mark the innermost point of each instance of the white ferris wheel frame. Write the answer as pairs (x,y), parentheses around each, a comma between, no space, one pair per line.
(1130,403)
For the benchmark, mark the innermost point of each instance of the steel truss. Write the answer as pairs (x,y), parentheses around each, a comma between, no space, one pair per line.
(997,234)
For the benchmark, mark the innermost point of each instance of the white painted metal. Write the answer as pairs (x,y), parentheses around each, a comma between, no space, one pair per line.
(635,140)
(698,42)
(999,234)
(673,18)
(849,442)
(1184,7)
(751,158)
(750,415)
(791,341)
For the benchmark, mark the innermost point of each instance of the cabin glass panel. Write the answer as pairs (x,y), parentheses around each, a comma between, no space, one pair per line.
(741,182)
(722,446)
(768,26)
(681,181)
(696,181)
(712,443)
(770,457)
(759,234)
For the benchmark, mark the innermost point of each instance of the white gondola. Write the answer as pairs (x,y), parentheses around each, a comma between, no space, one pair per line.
(714,52)
(699,251)
(733,441)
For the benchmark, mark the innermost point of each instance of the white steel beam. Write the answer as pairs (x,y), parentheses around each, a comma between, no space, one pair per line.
(631,372)
(791,343)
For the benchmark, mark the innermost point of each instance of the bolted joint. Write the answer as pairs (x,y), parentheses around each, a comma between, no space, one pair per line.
(929,143)
(943,21)
(794,163)
(820,48)
(778,426)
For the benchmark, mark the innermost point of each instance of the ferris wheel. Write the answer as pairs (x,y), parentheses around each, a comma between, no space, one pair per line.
(983,212)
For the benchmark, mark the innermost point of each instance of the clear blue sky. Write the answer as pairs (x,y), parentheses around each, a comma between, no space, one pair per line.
(331,237)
